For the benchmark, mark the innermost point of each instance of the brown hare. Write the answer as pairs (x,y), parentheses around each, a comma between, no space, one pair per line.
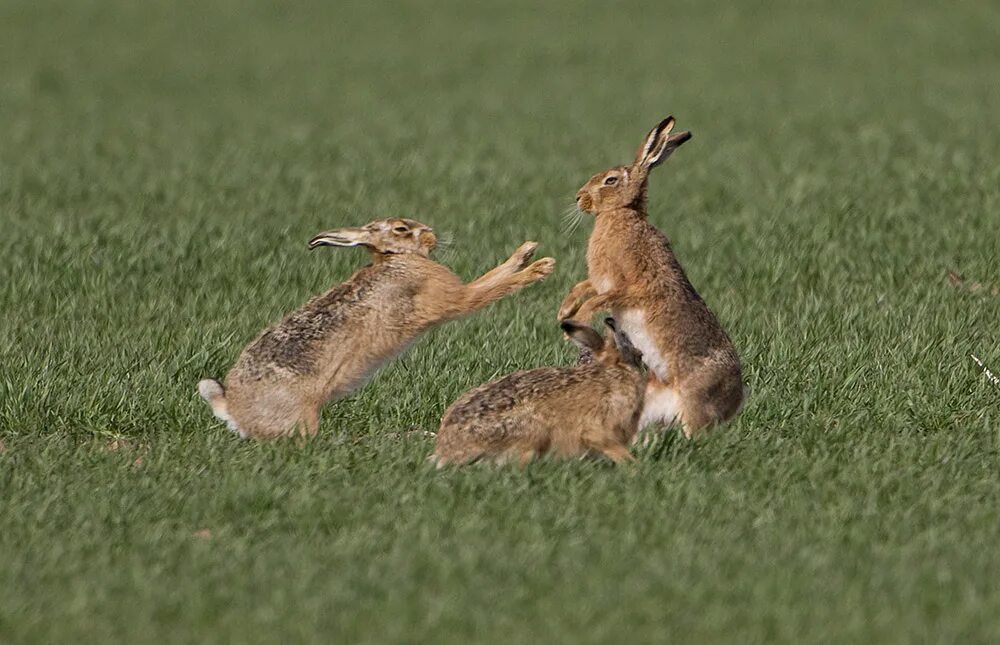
(695,375)
(334,343)
(589,408)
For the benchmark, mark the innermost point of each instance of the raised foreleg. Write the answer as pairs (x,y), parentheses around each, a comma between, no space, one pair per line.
(571,303)
(513,275)
(600,302)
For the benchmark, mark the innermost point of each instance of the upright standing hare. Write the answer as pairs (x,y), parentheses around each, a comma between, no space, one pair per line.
(591,407)
(694,369)
(333,344)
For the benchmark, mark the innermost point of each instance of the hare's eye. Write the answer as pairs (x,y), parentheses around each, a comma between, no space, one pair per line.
(400,229)
(611,181)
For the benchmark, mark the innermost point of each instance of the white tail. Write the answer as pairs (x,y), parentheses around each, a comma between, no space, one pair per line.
(215,395)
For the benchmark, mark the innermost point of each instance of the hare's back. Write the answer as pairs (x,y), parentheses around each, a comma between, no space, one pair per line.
(511,393)
(340,317)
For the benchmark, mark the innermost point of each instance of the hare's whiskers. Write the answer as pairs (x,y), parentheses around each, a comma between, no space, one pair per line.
(445,239)
(445,250)
(571,219)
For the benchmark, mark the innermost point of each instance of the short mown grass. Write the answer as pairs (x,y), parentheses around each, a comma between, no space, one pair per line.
(163,165)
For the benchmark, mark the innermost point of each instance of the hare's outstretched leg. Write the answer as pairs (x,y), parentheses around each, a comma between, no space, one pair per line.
(571,303)
(498,283)
(516,262)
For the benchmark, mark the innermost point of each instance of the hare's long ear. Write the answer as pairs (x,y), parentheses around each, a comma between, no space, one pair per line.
(624,344)
(659,145)
(583,336)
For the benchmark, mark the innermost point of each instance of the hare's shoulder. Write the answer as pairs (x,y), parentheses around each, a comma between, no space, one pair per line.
(651,240)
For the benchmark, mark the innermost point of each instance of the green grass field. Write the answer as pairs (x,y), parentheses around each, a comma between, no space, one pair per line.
(162,166)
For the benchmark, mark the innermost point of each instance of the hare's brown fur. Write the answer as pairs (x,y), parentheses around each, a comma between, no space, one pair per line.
(334,343)
(695,373)
(592,407)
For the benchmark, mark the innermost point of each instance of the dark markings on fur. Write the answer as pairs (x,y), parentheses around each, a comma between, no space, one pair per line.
(289,344)
(493,400)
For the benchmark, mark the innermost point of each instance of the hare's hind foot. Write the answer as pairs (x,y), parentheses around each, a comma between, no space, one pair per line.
(714,402)
(309,424)
(617,453)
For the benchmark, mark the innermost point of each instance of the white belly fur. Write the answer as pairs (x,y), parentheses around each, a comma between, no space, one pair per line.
(633,322)
(661,406)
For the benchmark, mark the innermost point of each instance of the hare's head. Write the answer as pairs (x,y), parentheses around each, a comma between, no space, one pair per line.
(382,236)
(625,186)
(614,349)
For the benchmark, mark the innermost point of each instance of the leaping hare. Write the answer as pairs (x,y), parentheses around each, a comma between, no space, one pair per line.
(591,407)
(334,343)
(695,375)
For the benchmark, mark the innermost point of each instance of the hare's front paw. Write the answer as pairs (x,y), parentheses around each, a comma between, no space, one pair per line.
(540,269)
(569,307)
(522,256)
(566,311)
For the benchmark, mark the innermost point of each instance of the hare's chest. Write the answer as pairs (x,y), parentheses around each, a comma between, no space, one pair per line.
(605,276)
(633,323)
(609,258)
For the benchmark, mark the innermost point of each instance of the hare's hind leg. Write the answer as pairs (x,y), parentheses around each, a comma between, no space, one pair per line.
(611,447)
(698,421)
(608,442)
(310,421)
(617,453)
(271,412)
(713,398)
(520,456)
(526,457)
(662,405)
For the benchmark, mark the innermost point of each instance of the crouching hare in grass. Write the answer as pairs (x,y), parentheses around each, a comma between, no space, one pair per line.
(590,408)
(695,375)
(334,343)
